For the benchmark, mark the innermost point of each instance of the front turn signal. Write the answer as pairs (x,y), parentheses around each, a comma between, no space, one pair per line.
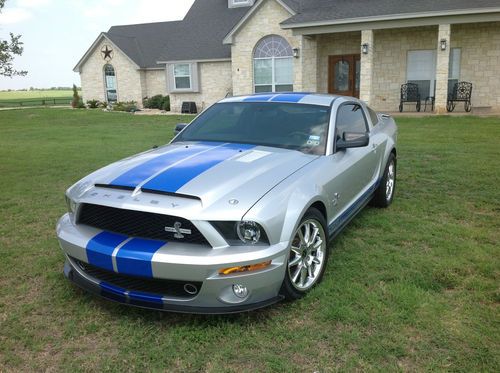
(248,268)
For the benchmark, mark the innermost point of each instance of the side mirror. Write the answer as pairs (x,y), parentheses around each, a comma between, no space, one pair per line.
(179,127)
(353,140)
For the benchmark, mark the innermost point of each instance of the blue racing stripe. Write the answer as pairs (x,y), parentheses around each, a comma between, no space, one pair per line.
(138,174)
(113,292)
(289,97)
(145,297)
(134,258)
(100,249)
(177,176)
(258,98)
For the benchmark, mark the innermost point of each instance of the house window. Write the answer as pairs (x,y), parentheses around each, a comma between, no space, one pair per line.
(239,3)
(273,65)
(421,70)
(182,76)
(454,71)
(110,83)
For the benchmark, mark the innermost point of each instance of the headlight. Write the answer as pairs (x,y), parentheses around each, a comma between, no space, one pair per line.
(248,232)
(71,205)
(238,232)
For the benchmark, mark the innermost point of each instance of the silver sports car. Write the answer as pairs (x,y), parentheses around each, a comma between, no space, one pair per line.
(236,213)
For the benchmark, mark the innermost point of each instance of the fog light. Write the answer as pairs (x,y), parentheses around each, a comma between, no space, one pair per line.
(240,291)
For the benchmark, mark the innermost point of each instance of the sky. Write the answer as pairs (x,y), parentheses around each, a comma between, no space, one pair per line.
(57,33)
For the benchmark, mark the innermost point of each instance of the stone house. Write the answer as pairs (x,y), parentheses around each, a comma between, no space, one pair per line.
(361,48)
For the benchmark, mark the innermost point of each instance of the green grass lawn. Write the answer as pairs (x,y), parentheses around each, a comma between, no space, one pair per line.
(411,288)
(35,98)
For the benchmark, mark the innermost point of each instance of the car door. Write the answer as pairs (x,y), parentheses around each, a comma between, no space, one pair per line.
(354,168)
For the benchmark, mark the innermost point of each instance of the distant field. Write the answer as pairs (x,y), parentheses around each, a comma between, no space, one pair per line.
(35,98)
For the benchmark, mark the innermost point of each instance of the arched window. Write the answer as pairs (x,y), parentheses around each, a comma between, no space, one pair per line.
(110,83)
(273,65)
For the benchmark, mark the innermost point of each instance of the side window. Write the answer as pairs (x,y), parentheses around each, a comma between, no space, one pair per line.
(373,116)
(350,118)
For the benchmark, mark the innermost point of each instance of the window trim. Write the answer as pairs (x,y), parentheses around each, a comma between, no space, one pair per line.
(337,117)
(190,76)
(106,83)
(273,83)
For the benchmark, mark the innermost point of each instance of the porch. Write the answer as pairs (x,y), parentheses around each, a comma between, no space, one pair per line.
(372,64)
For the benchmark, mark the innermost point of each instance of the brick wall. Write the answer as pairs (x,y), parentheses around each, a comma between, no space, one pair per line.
(129,80)
(262,23)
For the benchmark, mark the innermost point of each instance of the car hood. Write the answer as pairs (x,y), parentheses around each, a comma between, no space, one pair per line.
(213,173)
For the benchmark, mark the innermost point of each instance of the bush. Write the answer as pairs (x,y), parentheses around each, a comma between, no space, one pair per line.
(128,106)
(93,104)
(76,98)
(157,102)
(81,105)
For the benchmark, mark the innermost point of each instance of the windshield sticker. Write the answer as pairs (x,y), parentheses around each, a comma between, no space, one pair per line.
(252,156)
(314,140)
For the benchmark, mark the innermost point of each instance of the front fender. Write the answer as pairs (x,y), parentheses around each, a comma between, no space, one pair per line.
(281,209)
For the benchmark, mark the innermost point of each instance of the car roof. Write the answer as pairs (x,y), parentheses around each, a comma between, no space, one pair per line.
(287,97)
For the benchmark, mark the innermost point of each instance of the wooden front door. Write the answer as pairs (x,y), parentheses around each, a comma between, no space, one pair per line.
(343,75)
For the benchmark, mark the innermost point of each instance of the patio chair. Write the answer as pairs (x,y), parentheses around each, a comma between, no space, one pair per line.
(409,93)
(462,92)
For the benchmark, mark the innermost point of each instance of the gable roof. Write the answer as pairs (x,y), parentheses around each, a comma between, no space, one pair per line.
(310,12)
(208,27)
(197,37)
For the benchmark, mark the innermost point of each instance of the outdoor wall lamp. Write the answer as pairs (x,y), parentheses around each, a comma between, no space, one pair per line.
(364,48)
(443,44)
(296,52)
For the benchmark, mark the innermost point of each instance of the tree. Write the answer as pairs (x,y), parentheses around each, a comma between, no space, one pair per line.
(8,50)
(76,98)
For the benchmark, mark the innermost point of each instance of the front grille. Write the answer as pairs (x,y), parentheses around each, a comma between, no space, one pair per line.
(169,288)
(138,223)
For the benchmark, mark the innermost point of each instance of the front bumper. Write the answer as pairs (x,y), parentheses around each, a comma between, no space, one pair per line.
(181,263)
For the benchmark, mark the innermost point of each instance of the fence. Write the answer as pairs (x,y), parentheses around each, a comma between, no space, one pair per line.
(50,101)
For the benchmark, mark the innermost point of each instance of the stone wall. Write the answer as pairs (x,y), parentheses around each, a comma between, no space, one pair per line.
(128,78)
(265,21)
(156,83)
(480,61)
(332,45)
(390,55)
(215,83)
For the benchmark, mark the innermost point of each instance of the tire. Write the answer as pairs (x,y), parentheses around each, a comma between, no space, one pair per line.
(384,195)
(305,265)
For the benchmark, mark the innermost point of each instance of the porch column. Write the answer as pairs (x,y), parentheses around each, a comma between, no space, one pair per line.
(366,73)
(309,64)
(442,68)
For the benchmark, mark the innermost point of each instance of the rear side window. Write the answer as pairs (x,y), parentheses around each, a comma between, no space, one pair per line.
(373,116)
(350,118)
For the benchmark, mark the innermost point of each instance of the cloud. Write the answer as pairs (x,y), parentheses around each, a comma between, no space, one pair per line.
(32,4)
(159,11)
(10,16)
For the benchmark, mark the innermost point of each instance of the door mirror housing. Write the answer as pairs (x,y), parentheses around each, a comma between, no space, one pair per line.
(179,127)
(353,140)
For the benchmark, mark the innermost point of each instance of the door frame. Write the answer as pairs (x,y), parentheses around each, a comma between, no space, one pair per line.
(352,59)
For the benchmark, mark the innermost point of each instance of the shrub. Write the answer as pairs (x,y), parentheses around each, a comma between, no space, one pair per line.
(76,98)
(157,102)
(93,104)
(81,105)
(166,103)
(127,106)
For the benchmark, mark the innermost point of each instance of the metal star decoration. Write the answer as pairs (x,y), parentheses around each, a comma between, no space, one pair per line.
(107,53)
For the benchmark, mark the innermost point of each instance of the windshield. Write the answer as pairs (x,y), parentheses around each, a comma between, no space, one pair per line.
(283,125)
